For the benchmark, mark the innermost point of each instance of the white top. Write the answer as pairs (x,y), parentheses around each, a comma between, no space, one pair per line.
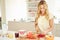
(43,23)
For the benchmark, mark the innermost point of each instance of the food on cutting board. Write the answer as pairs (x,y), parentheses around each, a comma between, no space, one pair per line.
(40,35)
(49,37)
(31,35)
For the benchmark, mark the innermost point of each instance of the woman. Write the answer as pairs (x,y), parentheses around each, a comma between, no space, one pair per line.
(44,19)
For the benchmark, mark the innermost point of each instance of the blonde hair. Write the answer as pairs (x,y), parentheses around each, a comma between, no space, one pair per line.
(39,12)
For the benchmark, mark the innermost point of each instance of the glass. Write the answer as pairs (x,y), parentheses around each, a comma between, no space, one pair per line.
(16,35)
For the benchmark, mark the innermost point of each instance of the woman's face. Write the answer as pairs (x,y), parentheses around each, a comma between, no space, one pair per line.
(42,9)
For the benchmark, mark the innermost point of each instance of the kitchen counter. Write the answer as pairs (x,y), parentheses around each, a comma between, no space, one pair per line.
(12,32)
(13,38)
(55,38)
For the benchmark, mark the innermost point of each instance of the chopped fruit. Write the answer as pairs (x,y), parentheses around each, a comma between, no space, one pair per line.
(31,35)
(41,35)
(49,37)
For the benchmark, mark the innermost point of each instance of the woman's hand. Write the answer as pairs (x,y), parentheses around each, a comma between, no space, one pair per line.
(45,32)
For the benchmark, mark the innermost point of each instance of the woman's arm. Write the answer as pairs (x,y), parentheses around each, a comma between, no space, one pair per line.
(51,23)
(36,27)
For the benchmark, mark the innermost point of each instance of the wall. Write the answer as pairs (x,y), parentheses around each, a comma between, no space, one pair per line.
(0,8)
(15,9)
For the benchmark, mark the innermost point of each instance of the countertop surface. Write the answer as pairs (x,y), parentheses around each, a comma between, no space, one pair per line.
(1,38)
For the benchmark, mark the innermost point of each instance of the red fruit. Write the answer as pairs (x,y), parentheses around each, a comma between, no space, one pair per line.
(30,35)
(41,35)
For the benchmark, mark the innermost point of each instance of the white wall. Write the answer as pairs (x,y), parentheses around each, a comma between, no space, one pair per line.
(57,8)
(51,5)
(0,11)
(54,8)
(15,9)
(0,8)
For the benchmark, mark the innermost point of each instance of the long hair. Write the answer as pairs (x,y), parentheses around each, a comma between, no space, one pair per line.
(39,11)
(46,10)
